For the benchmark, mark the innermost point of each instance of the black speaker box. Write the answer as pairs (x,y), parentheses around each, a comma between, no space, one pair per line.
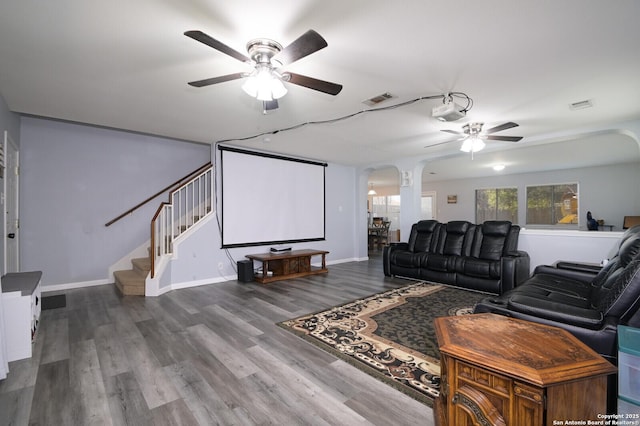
(245,271)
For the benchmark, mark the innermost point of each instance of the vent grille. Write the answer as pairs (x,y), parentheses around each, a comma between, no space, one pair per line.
(581,105)
(377,99)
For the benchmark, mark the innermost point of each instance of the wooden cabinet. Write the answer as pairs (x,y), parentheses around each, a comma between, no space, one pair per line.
(288,264)
(497,370)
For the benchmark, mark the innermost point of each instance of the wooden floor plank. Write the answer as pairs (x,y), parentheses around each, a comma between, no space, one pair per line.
(206,355)
(15,406)
(85,378)
(56,338)
(207,406)
(126,402)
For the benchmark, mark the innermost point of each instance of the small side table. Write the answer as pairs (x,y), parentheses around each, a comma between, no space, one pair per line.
(497,370)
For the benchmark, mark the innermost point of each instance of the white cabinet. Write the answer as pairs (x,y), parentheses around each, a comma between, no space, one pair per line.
(21,308)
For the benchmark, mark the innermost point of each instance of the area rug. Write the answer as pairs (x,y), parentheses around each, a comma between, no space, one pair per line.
(390,335)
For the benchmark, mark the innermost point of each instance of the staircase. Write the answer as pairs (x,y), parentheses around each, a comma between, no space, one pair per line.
(131,282)
(189,202)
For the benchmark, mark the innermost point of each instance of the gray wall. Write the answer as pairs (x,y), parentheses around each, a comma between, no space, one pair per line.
(75,178)
(609,192)
(198,258)
(9,122)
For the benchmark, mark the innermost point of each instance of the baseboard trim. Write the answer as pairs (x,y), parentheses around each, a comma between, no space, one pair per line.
(197,283)
(71,286)
(176,286)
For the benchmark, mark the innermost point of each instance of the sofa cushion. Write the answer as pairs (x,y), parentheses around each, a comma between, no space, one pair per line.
(405,259)
(438,262)
(424,235)
(623,296)
(493,236)
(455,233)
(479,267)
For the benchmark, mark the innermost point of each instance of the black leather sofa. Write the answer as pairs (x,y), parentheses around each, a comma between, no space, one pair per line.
(589,304)
(481,257)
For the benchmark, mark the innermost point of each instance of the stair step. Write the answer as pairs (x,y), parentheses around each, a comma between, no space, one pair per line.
(142,265)
(130,282)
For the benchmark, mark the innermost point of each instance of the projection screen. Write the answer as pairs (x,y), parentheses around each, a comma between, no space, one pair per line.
(268,199)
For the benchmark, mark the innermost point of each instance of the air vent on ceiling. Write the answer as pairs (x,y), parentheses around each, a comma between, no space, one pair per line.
(377,99)
(581,105)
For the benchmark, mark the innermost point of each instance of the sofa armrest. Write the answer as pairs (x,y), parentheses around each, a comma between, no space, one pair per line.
(386,255)
(582,276)
(554,311)
(514,270)
(398,246)
(591,268)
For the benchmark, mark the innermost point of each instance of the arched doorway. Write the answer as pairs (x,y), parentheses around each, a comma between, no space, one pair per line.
(383,208)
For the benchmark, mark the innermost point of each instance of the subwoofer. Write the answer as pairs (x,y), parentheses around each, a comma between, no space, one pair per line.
(245,271)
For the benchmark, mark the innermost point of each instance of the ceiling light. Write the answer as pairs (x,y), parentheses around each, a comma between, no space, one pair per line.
(472,144)
(264,84)
(371,190)
(498,167)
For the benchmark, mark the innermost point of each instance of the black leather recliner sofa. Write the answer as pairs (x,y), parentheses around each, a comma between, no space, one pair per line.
(590,305)
(482,257)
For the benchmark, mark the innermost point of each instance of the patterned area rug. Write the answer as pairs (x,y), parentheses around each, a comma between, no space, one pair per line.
(390,335)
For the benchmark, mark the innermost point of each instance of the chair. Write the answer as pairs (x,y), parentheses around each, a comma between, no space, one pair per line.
(630,222)
(381,235)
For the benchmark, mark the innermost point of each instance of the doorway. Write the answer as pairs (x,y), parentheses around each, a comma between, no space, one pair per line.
(10,174)
(428,205)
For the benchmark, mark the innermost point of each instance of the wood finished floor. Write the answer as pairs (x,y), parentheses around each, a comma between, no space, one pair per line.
(201,356)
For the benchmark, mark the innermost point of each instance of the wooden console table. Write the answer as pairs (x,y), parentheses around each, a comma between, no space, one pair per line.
(288,264)
(497,370)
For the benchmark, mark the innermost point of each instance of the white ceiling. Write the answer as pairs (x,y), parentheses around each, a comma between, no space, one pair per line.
(125,64)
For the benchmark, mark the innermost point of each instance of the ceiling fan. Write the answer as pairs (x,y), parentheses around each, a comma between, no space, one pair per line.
(473,137)
(265,82)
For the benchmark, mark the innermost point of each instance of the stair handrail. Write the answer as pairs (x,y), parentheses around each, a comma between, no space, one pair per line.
(158,251)
(171,187)
(154,220)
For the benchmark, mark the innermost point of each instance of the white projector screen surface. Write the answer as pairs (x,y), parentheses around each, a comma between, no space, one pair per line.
(270,199)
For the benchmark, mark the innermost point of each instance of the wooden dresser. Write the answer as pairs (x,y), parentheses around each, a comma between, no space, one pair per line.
(497,370)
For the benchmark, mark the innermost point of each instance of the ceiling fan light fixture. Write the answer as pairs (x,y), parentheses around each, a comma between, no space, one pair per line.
(472,144)
(277,88)
(264,85)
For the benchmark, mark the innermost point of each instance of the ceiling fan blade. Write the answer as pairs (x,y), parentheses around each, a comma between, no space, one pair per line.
(452,131)
(503,138)
(313,83)
(441,143)
(269,105)
(215,80)
(304,45)
(501,127)
(212,42)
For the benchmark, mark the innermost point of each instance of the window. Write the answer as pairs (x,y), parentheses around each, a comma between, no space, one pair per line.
(497,204)
(552,204)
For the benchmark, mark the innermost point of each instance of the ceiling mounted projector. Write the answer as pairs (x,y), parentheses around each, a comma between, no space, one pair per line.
(448,112)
